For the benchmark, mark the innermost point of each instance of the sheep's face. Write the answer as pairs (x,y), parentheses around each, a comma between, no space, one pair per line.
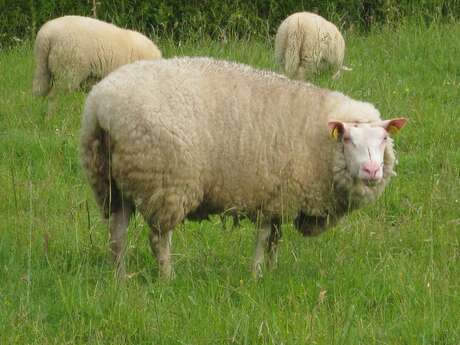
(364,146)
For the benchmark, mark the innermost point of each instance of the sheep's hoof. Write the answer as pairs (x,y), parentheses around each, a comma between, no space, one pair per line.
(257,271)
(120,274)
(273,263)
(166,275)
(52,108)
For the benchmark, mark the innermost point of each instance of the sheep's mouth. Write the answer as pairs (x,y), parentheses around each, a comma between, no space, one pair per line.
(367,182)
(370,182)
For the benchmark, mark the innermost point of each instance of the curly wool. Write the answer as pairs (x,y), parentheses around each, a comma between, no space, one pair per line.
(188,137)
(70,50)
(306,43)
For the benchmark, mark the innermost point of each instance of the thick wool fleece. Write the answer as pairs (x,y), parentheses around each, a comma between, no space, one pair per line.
(187,137)
(306,43)
(71,49)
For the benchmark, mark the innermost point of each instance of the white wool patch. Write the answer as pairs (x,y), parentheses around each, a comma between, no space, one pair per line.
(346,109)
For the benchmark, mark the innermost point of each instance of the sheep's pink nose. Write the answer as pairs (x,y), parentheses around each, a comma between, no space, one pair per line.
(371,170)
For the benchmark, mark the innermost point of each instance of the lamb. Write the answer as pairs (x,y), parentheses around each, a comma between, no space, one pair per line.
(71,50)
(306,44)
(188,137)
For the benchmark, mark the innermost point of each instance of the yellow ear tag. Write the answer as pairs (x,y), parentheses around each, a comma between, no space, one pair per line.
(392,129)
(335,133)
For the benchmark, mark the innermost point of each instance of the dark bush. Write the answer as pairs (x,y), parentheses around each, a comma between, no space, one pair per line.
(218,19)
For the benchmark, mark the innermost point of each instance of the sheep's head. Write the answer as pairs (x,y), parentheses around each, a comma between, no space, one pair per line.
(364,146)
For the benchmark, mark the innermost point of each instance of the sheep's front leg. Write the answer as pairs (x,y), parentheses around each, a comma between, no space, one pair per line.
(160,243)
(118,226)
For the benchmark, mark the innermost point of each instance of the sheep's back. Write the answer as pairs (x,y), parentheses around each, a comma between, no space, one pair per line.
(89,45)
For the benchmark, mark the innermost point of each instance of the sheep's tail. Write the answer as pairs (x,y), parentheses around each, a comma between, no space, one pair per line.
(42,77)
(96,157)
(293,51)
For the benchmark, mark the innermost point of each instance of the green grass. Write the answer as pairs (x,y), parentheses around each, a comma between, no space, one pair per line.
(387,274)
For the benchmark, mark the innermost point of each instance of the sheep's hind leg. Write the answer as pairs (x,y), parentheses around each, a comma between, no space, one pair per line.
(118,226)
(52,101)
(268,237)
(273,240)
(160,243)
(61,86)
(263,235)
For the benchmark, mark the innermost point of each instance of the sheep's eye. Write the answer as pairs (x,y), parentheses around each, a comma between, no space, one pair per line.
(385,138)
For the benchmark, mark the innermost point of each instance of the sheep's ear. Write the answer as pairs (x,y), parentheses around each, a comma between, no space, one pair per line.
(393,126)
(336,129)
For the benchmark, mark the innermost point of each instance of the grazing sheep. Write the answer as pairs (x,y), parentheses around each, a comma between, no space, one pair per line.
(306,43)
(71,50)
(188,137)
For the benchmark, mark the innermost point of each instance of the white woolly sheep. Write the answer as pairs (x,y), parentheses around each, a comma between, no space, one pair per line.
(306,43)
(71,50)
(188,137)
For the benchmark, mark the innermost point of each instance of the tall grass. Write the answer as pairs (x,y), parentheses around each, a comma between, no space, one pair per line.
(387,274)
(20,19)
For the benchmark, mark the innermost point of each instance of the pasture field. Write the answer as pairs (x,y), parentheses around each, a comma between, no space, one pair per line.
(386,274)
